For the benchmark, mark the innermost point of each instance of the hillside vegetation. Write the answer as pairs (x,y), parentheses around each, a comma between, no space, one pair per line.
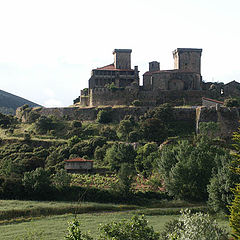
(146,162)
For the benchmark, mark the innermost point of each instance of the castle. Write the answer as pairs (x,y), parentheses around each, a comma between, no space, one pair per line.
(118,83)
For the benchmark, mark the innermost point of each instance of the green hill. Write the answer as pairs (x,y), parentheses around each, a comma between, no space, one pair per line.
(9,102)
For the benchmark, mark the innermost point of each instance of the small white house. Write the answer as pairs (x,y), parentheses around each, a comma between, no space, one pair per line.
(78,165)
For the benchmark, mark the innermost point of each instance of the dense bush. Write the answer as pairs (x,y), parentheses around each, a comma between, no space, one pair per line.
(104,116)
(232,102)
(108,133)
(124,128)
(187,168)
(193,227)
(135,229)
(153,130)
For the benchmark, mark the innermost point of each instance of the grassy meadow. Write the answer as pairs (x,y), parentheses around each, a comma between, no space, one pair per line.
(93,214)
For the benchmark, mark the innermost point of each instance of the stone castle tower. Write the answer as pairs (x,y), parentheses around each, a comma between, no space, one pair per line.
(188,59)
(122,58)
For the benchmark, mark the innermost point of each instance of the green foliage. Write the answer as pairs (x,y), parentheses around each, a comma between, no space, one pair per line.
(100,152)
(221,183)
(193,227)
(235,206)
(232,102)
(124,128)
(137,103)
(61,179)
(135,229)
(146,159)
(235,213)
(43,124)
(153,130)
(104,116)
(126,177)
(108,133)
(210,129)
(187,168)
(118,154)
(76,124)
(37,181)
(6,121)
(27,137)
(134,136)
(75,233)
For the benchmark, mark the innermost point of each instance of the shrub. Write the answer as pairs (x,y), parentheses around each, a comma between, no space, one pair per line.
(76,124)
(135,229)
(137,103)
(104,116)
(232,102)
(194,227)
(75,233)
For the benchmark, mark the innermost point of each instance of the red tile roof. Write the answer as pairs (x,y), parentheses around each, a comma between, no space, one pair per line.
(78,160)
(212,100)
(111,67)
(168,71)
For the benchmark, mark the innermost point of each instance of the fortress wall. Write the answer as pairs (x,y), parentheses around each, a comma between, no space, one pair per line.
(90,114)
(228,118)
(112,97)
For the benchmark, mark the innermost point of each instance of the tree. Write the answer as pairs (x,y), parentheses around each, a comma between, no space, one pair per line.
(104,116)
(37,182)
(118,154)
(126,177)
(108,133)
(146,159)
(235,206)
(186,168)
(124,128)
(153,130)
(222,181)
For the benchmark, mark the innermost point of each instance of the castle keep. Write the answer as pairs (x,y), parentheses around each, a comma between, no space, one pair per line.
(118,83)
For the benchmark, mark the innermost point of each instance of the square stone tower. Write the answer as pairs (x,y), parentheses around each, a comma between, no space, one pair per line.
(188,59)
(154,66)
(122,58)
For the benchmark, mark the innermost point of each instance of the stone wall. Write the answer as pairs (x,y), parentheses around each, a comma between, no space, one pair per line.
(228,118)
(90,114)
(112,97)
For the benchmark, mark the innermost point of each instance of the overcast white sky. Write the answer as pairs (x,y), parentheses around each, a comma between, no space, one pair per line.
(48,47)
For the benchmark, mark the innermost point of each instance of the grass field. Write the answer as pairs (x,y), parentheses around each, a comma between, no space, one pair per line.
(51,228)
(55,227)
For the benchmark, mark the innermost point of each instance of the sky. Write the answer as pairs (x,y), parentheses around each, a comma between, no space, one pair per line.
(49,47)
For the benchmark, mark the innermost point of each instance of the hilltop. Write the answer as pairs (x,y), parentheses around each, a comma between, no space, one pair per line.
(10,102)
